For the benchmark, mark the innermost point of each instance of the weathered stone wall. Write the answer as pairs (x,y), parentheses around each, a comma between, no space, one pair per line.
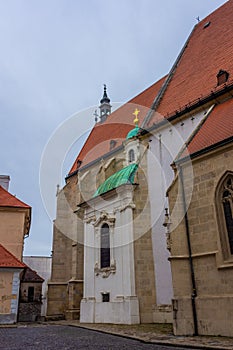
(213,276)
(57,299)
(29,312)
(64,234)
(143,250)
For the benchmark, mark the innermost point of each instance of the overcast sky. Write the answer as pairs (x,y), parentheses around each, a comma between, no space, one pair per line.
(55,57)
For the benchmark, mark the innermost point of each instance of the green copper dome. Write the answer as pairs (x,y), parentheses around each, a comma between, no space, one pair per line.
(133,133)
(121,177)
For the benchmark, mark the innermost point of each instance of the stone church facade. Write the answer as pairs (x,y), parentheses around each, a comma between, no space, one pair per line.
(119,275)
(119,246)
(202,242)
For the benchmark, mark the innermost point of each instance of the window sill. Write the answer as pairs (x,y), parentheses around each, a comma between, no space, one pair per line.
(224,263)
(106,271)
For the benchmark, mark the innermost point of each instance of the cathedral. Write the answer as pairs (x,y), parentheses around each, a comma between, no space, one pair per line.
(143,230)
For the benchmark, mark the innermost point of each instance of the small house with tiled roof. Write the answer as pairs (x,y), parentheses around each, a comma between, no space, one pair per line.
(15,217)
(112,250)
(10,270)
(30,296)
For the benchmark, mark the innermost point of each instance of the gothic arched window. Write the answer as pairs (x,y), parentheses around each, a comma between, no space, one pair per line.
(131,156)
(105,246)
(225,210)
(227,202)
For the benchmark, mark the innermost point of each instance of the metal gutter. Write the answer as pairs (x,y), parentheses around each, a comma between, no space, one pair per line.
(205,150)
(202,101)
(192,274)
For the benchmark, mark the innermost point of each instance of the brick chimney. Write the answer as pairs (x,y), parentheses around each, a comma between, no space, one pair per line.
(4,181)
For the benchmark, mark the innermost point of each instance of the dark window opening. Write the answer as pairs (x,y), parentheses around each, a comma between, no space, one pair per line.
(229,223)
(222,77)
(112,144)
(131,156)
(105,297)
(227,202)
(30,294)
(79,162)
(226,194)
(105,246)
(206,25)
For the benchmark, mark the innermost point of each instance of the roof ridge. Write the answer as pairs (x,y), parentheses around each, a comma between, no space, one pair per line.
(143,91)
(29,271)
(166,82)
(23,204)
(188,81)
(211,13)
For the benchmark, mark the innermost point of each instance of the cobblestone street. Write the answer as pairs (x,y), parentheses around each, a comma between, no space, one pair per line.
(52,337)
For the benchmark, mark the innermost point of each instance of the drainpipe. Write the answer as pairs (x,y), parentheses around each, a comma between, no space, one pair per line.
(194,290)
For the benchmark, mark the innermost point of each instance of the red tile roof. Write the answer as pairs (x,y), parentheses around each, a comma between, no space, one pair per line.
(9,260)
(98,142)
(208,51)
(217,127)
(8,200)
(30,275)
(116,126)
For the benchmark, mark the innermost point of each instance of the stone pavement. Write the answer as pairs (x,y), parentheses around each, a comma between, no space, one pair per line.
(160,334)
(157,334)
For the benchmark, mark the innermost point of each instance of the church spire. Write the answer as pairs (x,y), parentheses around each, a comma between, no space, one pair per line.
(105,97)
(105,107)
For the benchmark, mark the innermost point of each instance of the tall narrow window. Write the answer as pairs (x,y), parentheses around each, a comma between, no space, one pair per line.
(131,156)
(105,246)
(227,202)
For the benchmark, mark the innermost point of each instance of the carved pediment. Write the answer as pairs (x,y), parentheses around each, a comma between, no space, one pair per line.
(105,217)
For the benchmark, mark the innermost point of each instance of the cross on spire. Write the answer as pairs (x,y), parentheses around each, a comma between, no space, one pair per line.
(136,120)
